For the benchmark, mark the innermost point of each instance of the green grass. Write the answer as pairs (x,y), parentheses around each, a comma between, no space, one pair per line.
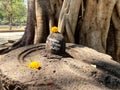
(6,28)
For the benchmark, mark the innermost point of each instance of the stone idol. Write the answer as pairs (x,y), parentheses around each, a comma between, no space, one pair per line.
(55,43)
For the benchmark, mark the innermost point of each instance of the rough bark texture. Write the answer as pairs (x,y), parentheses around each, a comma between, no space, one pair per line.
(96,22)
(81,68)
(42,21)
(42,15)
(47,13)
(86,22)
(93,24)
(68,18)
(111,42)
(116,22)
(28,37)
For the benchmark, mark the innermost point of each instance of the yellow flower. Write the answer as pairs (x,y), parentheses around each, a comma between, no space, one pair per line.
(35,65)
(54,29)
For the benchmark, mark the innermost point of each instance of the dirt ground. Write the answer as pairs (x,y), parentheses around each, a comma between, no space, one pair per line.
(81,68)
(5,36)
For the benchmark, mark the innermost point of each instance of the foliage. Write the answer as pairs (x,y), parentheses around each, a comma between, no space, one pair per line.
(14,8)
(3,14)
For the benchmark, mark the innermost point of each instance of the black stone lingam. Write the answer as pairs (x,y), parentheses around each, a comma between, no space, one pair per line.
(55,44)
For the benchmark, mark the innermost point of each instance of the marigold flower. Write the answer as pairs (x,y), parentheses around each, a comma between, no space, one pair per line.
(54,29)
(35,65)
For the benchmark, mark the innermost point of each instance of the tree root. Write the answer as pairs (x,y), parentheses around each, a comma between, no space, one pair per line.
(8,48)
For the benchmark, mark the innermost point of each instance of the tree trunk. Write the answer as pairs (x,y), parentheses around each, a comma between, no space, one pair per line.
(10,21)
(96,22)
(86,22)
(93,23)
(68,18)
(47,13)
(28,37)
(41,21)
(116,22)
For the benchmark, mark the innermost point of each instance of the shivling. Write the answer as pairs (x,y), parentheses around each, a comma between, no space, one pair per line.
(55,44)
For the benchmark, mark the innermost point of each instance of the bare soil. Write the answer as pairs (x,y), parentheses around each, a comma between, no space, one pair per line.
(81,68)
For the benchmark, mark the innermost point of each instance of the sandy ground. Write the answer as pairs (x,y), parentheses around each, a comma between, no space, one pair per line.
(5,36)
(81,68)
(1,56)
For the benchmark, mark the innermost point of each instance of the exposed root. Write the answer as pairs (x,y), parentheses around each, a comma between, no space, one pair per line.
(26,52)
(8,47)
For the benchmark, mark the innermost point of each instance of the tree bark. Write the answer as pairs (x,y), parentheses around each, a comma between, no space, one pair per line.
(68,18)
(41,21)
(116,22)
(10,21)
(96,22)
(85,22)
(28,37)
(47,13)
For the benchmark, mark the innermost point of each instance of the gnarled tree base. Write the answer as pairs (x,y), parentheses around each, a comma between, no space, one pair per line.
(81,68)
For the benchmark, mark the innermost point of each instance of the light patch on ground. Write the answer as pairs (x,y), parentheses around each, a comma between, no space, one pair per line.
(4,37)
